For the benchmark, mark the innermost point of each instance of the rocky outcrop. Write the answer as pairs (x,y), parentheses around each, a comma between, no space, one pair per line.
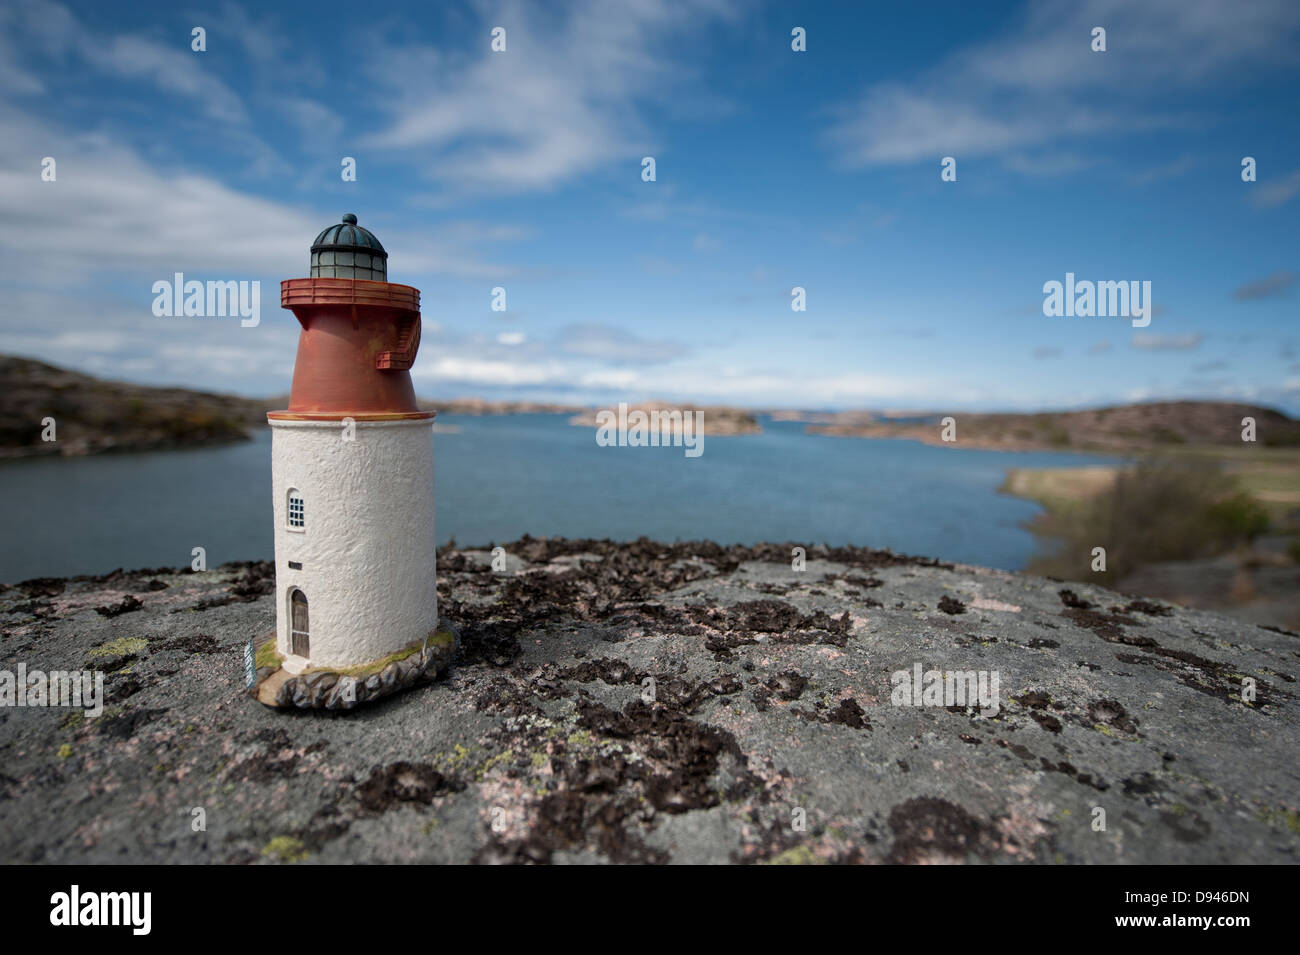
(688,702)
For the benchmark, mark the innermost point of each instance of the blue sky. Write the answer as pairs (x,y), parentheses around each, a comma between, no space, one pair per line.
(775,169)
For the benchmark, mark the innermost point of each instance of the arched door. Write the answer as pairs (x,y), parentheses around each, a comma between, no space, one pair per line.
(298,624)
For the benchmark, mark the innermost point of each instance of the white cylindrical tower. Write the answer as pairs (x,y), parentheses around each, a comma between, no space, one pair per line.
(354,538)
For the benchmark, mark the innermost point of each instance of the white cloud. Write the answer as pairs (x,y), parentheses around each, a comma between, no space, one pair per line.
(1027,88)
(562,99)
(1276,192)
(607,343)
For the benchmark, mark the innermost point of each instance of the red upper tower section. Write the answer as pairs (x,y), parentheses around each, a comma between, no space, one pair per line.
(359,336)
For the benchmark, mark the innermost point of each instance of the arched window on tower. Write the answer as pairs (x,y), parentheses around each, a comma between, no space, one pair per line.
(297,510)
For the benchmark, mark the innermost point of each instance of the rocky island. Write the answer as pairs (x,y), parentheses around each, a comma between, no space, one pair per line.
(648,702)
(716,421)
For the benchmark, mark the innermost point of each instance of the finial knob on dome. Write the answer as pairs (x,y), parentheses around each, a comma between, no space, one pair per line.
(348,251)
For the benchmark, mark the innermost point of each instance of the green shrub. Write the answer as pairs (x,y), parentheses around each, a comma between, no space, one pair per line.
(1160,509)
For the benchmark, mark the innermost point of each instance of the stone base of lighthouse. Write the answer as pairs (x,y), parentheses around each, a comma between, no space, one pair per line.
(355,551)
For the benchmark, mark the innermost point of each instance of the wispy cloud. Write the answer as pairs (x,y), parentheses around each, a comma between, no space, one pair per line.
(1029,87)
(1270,193)
(1277,285)
(1152,342)
(562,99)
(593,340)
(1170,170)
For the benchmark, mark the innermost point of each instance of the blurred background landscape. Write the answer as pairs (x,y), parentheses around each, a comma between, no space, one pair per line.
(1185,509)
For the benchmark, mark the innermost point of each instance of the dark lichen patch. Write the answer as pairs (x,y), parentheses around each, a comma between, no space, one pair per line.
(197,643)
(1281,630)
(327,824)
(620,586)
(849,713)
(1047,721)
(1206,676)
(613,672)
(124,687)
(928,829)
(1041,643)
(785,622)
(1108,626)
(1144,786)
(571,820)
(129,604)
(405,783)
(788,685)
(609,780)
(1024,752)
(846,713)
(1148,607)
(257,580)
(854,580)
(1111,713)
(951,605)
(277,759)
(724,685)
(682,755)
(39,609)
(763,616)
(263,767)
(208,603)
(1073,601)
(487,643)
(126,723)
(1070,770)
(775,621)
(1034,700)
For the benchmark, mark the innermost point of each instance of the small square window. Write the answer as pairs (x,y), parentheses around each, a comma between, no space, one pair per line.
(297,510)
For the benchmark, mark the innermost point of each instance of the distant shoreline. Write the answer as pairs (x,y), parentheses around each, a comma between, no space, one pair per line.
(96,416)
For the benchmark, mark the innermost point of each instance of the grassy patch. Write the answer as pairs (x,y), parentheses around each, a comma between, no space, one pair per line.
(268,656)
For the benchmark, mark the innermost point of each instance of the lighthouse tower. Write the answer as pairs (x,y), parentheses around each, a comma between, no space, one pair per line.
(352,465)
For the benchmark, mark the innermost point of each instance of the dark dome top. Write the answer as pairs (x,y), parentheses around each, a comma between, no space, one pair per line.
(348,251)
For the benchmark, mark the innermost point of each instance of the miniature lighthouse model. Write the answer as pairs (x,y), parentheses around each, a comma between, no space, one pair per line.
(352,465)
